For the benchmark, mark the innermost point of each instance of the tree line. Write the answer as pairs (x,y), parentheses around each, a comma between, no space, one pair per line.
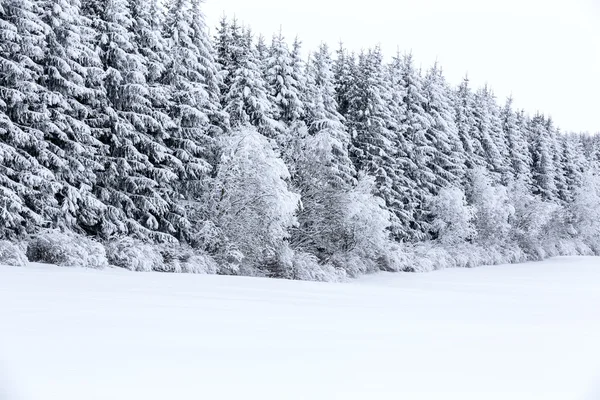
(125,122)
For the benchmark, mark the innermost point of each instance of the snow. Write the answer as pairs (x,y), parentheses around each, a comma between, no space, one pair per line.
(528,331)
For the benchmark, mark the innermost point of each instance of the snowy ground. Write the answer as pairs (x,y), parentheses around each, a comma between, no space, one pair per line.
(515,332)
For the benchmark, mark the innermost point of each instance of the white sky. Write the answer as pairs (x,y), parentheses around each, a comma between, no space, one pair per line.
(545,52)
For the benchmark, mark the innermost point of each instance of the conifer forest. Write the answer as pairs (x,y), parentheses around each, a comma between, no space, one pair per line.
(134,135)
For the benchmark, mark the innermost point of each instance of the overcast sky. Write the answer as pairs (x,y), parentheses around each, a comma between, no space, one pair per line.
(545,52)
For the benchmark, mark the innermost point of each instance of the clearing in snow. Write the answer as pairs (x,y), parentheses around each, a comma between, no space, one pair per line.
(528,331)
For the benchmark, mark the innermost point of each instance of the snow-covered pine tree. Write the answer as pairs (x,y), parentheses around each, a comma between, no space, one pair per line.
(513,125)
(324,115)
(147,23)
(344,71)
(195,82)
(246,100)
(324,171)
(290,95)
(137,179)
(282,82)
(210,72)
(299,72)
(560,176)
(467,125)
(262,50)
(27,187)
(373,146)
(489,135)
(229,49)
(572,166)
(447,163)
(580,164)
(414,127)
(395,100)
(541,144)
(75,148)
(224,42)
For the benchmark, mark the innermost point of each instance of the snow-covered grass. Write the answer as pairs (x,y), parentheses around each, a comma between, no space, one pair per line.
(527,331)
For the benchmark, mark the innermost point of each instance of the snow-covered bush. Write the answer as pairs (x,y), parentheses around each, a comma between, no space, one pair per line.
(585,210)
(304,266)
(209,237)
(251,202)
(135,255)
(197,262)
(11,254)
(452,217)
(184,259)
(323,181)
(230,260)
(492,209)
(66,249)
(434,255)
(531,220)
(397,258)
(366,223)
(126,252)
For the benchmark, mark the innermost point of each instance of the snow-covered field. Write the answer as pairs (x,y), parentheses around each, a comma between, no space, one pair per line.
(529,331)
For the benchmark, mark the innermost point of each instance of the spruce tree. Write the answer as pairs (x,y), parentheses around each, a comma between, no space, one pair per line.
(67,96)
(543,167)
(246,99)
(136,182)
(344,71)
(513,126)
(28,186)
(489,135)
(373,144)
(325,173)
(466,125)
(282,81)
(447,163)
(300,70)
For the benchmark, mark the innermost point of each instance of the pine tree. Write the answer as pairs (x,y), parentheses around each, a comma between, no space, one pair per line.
(262,50)
(513,126)
(489,135)
(373,144)
(561,167)
(325,172)
(282,81)
(415,127)
(344,71)
(137,179)
(194,91)
(67,97)
(27,186)
(146,28)
(543,168)
(210,72)
(224,51)
(300,70)
(466,125)
(447,163)
(246,99)
(324,116)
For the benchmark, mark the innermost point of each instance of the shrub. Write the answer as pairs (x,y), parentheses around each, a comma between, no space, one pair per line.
(306,267)
(11,254)
(178,258)
(66,249)
(134,255)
